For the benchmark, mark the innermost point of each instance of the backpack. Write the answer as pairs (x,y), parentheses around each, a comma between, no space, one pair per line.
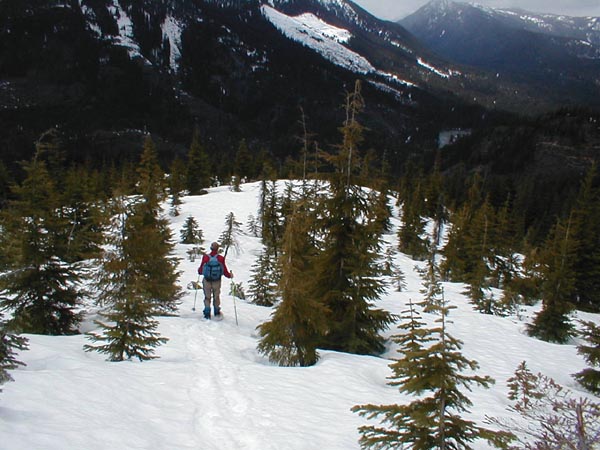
(213,270)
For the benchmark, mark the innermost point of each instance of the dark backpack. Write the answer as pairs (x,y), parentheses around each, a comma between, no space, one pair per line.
(213,269)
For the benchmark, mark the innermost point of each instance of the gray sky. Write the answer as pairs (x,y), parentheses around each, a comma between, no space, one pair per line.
(397,9)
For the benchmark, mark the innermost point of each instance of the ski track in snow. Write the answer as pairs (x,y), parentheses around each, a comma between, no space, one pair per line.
(210,389)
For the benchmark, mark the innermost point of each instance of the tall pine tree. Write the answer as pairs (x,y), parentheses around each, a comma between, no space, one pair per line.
(41,287)
(553,322)
(292,335)
(349,266)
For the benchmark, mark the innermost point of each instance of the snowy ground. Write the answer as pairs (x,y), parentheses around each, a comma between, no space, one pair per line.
(210,389)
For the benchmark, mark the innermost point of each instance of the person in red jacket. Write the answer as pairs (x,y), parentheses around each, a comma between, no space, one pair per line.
(212,268)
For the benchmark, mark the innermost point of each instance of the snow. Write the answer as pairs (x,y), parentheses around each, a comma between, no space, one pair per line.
(320,36)
(125,25)
(441,73)
(211,389)
(172,29)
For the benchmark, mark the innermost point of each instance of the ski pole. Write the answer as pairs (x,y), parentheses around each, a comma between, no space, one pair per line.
(196,293)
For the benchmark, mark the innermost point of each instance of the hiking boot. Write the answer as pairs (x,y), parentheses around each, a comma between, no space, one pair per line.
(206,313)
(217,312)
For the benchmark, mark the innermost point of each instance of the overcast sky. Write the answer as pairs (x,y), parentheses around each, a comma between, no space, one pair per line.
(397,9)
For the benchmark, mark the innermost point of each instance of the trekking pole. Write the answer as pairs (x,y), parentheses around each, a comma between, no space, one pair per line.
(196,293)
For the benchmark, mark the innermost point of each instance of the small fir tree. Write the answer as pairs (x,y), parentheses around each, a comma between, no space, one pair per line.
(229,237)
(264,280)
(191,232)
(590,377)
(430,370)
(433,292)
(9,345)
(393,270)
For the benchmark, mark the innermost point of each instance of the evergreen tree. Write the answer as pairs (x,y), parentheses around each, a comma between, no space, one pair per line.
(410,234)
(243,162)
(191,232)
(430,369)
(393,270)
(40,287)
(151,179)
(433,292)
(149,240)
(590,377)
(229,237)
(348,268)
(9,344)
(552,323)
(272,224)
(82,208)
(586,217)
(265,277)
(292,335)
(177,180)
(129,329)
(198,167)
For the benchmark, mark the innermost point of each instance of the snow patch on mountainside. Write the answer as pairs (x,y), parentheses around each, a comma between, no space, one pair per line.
(125,25)
(320,36)
(441,73)
(171,28)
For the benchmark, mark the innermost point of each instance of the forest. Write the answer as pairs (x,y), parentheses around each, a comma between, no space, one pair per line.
(68,225)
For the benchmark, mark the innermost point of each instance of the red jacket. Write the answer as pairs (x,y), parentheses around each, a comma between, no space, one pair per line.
(220,258)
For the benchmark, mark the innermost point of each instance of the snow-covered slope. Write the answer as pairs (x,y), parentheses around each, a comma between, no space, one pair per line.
(211,390)
(325,39)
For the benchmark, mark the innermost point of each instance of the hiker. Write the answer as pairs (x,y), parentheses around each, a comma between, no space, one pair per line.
(212,268)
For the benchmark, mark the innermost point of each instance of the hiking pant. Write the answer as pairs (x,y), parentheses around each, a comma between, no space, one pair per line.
(212,288)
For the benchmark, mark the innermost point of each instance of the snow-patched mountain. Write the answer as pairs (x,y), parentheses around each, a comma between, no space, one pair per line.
(233,68)
(558,53)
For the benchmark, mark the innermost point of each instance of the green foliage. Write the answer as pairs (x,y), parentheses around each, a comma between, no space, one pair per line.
(9,344)
(431,370)
(191,232)
(265,277)
(433,292)
(40,286)
(292,335)
(590,377)
(586,218)
(229,237)
(348,266)
(132,289)
(552,323)
(198,167)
